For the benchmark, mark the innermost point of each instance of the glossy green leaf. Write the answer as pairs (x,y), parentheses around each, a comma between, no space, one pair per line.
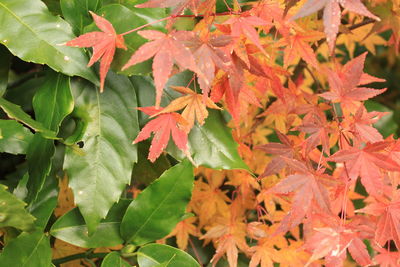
(14,111)
(13,212)
(76,12)
(124,19)
(52,102)
(14,138)
(100,173)
(158,208)
(113,259)
(5,56)
(212,144)
(27,250)
(32,33)
(72,229)
(163,255)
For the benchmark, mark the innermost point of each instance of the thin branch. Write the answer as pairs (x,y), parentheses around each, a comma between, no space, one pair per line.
(79,256)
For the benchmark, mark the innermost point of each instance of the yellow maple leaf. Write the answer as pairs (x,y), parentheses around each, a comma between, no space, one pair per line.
(194,105)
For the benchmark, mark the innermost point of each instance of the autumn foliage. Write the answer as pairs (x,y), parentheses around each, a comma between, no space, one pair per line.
(322,183)
(295,205)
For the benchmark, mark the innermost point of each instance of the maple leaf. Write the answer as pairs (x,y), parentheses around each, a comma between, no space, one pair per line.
(388,213)
(182,231)
(332,14)
(195,107)
(244,24)
(103,44)
(166,49)
(366,163)
(343,85)
(361,127)
(308,185)
(387,258)
(208,55)
(282,150)
(296,45)
(163,126)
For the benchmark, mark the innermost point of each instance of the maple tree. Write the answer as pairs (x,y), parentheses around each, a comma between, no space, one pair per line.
(216,133)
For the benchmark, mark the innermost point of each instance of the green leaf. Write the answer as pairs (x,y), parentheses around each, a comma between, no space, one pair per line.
(76,12)
(12,211)
(164,255)
(32,33)
(27,250)
(14,138)
(5,56)
(124,19)
(212,144)
(52,103)
(159,207)
(45,203)
(113,259)
(144,171)
(72,229)
(15,112)
(99,175)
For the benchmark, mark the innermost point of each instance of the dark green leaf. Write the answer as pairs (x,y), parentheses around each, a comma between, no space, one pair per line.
(159,207)
(12,211)
(100,173)
(5,56)
(71,228)
(15,112)
(27,250)
(145,172)
(14,138)
(163,255)
(113,259)
(45,203)
(32,33)
(76,12)
(52,103)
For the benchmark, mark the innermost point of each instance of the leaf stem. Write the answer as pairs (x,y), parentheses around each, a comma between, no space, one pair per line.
(59,261)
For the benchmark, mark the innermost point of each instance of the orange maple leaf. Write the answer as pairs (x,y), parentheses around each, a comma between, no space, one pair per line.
(195,107)
(103,44)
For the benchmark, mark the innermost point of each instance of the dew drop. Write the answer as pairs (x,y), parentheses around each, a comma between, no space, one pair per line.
(5,41)
(66,58)
(3,203)
(58,26)
(80,192)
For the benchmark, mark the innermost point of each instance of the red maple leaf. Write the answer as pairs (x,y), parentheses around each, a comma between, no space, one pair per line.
(162,126)
(332,14)
(244,24)
(362,125)
(103,44)
(388,212)
(208,55)
(343,84)
(309,186)
(366,163)
(166,49)
(332,242)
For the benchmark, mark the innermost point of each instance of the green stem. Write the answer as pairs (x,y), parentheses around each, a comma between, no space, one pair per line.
(79,256)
